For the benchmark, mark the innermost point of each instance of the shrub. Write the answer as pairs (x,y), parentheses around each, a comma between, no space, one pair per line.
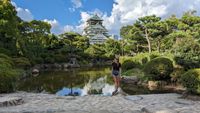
(191,80)
(22,62)
(128,64)
(5,51)
(38,60)
(187,54)
(159,69)
(135,72)
(60,58)
(176,74)
(142,58)
(49,60)
(8,74)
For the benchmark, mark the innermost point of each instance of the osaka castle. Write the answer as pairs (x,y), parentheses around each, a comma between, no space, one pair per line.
(95,31)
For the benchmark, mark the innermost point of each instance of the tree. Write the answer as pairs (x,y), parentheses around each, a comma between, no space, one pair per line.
(144,24)
(75,42)
(34,39)
(8,27)
(112,48)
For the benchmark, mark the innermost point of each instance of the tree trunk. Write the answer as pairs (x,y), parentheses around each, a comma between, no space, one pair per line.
(158,44)
(148,41)
(158,47)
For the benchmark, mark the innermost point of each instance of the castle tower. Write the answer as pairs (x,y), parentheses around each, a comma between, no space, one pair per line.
(95,31)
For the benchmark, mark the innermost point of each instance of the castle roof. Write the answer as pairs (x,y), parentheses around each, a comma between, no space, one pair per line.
(95,17)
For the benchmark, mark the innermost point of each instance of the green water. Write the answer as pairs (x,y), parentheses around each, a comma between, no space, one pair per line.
(81,81)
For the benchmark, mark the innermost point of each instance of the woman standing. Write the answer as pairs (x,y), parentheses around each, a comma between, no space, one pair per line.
(116,71)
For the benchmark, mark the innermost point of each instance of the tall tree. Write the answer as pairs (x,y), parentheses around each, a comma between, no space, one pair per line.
(8,26)
(145,24)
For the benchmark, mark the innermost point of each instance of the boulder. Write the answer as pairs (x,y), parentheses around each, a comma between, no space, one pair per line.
(35,71)
(130,79)
(10,101)
(57,66)
(65,65)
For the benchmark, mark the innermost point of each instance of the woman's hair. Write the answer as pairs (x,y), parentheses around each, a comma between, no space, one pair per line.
(117,59)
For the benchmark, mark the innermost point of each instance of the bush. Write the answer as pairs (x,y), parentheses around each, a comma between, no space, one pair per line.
(176,74)
(142,58)
(22,62)
(159,69)
(187,54)
(135,72)
(128,64)
(8,74)
(49,60)
(191,80)
(37,60)
(60,58)
(5,51)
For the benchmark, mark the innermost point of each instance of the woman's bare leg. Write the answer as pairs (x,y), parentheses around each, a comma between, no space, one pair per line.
(118,81)
(115,80)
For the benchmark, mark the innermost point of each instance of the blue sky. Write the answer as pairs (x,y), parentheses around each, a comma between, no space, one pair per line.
(60,9)
(71,15)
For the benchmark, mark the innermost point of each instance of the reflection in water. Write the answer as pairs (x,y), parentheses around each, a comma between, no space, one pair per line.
(71,82)
(96,87)
(69,91)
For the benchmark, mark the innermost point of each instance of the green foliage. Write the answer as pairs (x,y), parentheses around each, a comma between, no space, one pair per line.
(191,80)
(60,58)
(8,74)
(187,54)
(22,62)
(49,60)
(176,74)
(112,47)
(128,64)
(134,72)
(5,51)
(96,51)
(159,68)
(8,27)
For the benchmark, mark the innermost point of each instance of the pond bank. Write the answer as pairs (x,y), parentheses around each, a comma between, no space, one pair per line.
(48,103)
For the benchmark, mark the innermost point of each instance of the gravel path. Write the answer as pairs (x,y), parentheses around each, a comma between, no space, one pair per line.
(47,103)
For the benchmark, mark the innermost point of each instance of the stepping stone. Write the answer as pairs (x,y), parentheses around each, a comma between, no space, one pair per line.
(182,102)
(10,101)
(133,98)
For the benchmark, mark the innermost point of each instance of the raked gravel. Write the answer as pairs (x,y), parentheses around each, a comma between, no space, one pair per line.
(49,103)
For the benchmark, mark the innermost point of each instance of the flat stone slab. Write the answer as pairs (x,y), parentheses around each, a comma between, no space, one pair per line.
(133,98)
(10,101)
(49,103)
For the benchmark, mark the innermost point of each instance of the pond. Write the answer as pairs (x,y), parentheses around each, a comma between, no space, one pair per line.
(79,81)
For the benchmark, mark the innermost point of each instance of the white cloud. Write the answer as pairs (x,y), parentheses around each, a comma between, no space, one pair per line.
(75,5)
(24,14)
(68,28)
(55,26)
(125,12)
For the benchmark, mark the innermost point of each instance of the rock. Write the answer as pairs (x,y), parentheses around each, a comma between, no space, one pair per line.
(10,101)
(166,111)
(57,66)
(65,65)
(153,85)
(35,71)
(130,79)
(133,98)
(74,65)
